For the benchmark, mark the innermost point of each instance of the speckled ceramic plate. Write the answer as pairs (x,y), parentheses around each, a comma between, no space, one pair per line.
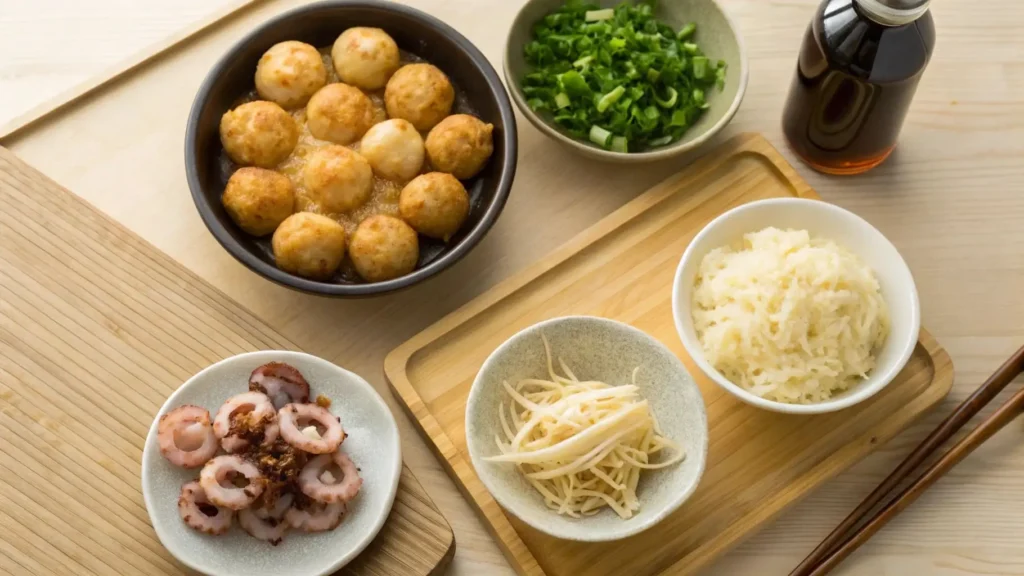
(595,349)
(373,444)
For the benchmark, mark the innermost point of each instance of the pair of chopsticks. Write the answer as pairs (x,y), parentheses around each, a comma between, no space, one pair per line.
(861,525)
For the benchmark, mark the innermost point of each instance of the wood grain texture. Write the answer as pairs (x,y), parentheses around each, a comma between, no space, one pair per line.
(622,268)
(97,328)
(108,41)
(949,199)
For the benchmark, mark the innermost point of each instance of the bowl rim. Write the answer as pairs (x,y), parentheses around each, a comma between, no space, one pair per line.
(584,147)
(508,161)
(694,349)
(629,529)
(283,355)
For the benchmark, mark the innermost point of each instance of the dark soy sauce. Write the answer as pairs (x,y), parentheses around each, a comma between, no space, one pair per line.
(854,82)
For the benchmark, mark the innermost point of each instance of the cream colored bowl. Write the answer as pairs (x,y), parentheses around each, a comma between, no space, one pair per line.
(717,35)
(822,220)
(595,349)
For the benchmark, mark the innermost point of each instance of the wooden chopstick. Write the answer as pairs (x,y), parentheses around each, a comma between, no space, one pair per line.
(856,528)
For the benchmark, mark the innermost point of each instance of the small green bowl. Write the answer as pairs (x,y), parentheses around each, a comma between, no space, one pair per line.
(717,36)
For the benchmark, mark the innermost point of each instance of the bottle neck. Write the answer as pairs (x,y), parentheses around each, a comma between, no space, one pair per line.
(890,13)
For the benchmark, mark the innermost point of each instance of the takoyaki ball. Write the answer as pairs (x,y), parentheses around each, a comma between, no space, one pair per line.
(435,204)
(337,178)
(460,145)
(289,73)
(309,245)
(339,113)
(383,247)
(394,149)
(421,94)
(258,200)
(258,133)
(365,57)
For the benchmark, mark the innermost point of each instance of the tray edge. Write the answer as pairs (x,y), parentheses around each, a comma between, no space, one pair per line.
(513,547)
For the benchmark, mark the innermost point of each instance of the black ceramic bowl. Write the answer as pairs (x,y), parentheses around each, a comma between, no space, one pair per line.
(320,24)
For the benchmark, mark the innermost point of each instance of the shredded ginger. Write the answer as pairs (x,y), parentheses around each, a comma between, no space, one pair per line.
(787,317)
(582,444)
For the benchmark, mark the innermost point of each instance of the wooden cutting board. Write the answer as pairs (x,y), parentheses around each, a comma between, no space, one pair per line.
(759,462)
(97,328)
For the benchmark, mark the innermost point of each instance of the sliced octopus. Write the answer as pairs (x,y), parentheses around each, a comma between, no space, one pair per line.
(199,513)
(246,418)
(232,482)
(267,524)
(186,436)
(310,428)
(282,383)
(316,517)
(330,478)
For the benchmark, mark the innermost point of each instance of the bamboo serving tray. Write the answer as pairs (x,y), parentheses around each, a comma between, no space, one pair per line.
(97,329)
(759,462)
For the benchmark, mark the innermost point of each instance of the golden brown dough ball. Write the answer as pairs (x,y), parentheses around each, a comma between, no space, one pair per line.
(421,94)
(365,57)
(460,145)
(435,204)
(384,247)
(289,73)
(394,149)
(258,133)
(339,113)
(338,179)
(258,200)
(309,245)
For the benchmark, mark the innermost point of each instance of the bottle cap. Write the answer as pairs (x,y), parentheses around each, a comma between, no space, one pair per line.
(894,12)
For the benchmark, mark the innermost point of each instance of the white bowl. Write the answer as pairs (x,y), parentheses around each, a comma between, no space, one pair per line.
(600,349)
(822,220)
(372,443)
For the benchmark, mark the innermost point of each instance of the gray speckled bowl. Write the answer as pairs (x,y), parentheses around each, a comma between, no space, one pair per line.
(372,443)
(717,35)
(598,349)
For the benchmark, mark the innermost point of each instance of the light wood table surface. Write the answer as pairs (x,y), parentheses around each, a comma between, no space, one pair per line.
(951,198)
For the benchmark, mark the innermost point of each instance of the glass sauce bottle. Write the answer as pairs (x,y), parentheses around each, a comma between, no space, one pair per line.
(857,72)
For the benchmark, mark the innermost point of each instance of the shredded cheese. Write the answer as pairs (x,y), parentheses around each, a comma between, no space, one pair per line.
(581,444)
(787,317)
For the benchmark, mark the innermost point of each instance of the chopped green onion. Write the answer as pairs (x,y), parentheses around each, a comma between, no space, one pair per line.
(700,67)
(668,102)
(598,15)
(698,96)
(686,31)
(582,62)
(600,136)
(619,77)
(720,76)
(660,141)
(610,98)
(574,83)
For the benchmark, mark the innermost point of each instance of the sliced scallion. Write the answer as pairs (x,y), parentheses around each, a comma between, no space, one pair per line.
(610,98)
(600,136)
(620,144)
(598,15)
(700,66)
(561,100)
(670,100)
(686,31)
